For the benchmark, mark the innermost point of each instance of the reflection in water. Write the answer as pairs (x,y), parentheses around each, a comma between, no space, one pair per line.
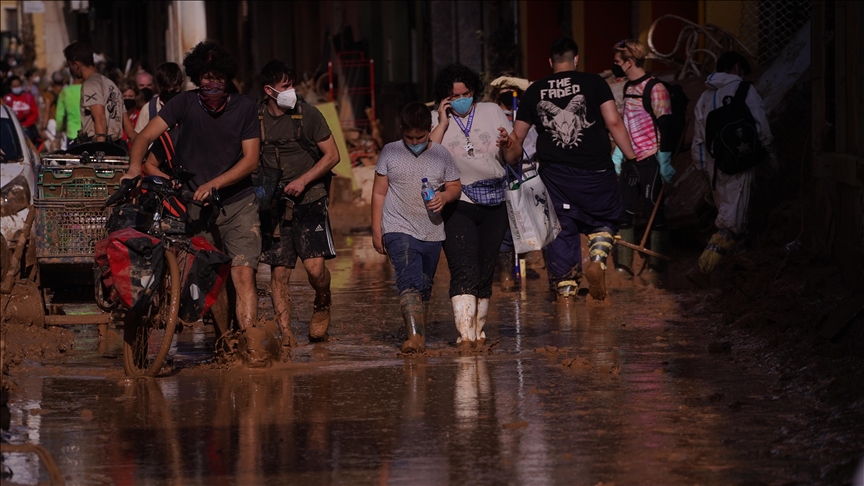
(352,412)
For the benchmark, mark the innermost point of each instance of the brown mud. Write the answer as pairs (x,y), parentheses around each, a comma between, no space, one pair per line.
(665,385)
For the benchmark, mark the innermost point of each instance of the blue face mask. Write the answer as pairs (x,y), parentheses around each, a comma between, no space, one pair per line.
(418,149)
(462,105)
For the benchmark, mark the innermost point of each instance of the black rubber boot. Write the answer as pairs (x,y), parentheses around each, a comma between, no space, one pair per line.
(415,327)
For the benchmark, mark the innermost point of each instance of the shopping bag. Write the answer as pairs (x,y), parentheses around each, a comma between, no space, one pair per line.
(533,221)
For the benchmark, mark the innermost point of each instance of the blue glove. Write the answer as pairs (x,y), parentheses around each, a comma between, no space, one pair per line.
(666,169)
(617,159)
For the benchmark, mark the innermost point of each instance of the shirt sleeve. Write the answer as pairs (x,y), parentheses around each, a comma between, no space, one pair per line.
(319,129)
(251,127)
(604,91)
(143,118)
(434,119)
(93,93)
(503,121)
(383,159)
(172,112)
(661,101)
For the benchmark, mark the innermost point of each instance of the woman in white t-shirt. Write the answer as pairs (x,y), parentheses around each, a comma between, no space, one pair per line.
(477,135)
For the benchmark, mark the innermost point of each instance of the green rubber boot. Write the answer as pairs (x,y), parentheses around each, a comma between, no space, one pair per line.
(659,244)
(624,261)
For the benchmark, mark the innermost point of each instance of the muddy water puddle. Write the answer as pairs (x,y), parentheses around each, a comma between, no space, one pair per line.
(570,394)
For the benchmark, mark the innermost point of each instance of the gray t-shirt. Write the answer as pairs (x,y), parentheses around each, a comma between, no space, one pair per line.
(404,209)
(99,90)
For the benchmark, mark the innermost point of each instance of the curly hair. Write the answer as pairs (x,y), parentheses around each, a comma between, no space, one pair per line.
(209,57)
(457,73)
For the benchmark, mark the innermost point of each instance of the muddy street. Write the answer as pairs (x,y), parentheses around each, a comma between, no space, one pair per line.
(640,392)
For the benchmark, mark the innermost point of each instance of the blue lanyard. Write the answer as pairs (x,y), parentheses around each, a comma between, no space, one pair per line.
(465,129)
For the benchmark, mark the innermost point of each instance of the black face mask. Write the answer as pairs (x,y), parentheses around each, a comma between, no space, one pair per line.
(166,96)
(130,104)
(147,94)
(618,71)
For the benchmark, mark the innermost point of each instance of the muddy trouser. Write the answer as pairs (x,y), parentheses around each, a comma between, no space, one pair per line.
(585,201)
(732,197)
(414,261)
(648,189)
(474,235)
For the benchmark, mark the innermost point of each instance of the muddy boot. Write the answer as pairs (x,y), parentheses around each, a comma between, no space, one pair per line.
(624,263)
(480,320)
(567,288)
(505,266)
(659,244)
(320,318)
(464,312)
(599,246)
(718,246)
(415,326)
(258,346)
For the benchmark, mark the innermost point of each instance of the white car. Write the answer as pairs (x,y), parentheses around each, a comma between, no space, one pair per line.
(18,165)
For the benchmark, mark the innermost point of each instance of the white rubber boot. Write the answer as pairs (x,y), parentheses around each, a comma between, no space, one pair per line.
(464,312)
(480,321)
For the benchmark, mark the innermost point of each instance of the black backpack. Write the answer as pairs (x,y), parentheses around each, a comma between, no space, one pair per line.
(732,137)
(677,99)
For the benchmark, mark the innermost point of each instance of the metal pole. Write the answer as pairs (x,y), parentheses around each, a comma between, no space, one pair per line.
(372,85)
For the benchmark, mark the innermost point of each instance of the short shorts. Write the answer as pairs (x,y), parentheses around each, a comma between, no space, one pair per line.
(307,235)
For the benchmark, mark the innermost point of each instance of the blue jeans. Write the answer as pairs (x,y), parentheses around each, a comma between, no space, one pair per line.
(415,262)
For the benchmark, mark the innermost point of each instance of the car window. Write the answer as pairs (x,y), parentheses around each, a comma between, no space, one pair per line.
(9,142)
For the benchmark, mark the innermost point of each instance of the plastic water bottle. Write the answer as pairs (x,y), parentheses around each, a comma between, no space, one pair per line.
(428,192)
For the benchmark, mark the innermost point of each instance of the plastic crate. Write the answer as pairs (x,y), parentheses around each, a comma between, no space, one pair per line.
(67,231)
(78,182)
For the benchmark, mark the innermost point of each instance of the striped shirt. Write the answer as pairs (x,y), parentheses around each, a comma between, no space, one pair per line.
(645,138)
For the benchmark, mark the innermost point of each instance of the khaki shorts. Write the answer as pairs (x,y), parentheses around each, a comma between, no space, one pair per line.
(237,233)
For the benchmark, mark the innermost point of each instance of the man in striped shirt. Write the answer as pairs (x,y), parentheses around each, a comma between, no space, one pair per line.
(653,166)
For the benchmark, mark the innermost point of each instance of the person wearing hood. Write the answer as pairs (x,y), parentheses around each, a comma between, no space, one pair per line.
(731,192)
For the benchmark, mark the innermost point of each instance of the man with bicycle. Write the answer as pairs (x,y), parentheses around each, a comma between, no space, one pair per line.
(218,141)
(298,146)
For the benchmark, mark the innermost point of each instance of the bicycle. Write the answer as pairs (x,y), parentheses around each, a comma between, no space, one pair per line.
(149,332)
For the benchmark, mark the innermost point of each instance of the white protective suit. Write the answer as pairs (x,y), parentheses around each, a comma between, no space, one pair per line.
(732,192)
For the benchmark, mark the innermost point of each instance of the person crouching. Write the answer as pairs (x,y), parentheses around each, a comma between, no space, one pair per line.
(406,227)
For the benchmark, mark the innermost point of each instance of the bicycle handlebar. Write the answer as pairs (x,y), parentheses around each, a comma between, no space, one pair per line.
(164,190)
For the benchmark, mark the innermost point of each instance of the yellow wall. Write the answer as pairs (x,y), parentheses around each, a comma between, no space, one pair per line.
(725,14)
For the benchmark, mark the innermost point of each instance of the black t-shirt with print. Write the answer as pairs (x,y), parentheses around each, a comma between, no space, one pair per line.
(565,108)
(210,145)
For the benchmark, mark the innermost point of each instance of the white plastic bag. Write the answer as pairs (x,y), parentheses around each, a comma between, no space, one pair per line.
(533,221)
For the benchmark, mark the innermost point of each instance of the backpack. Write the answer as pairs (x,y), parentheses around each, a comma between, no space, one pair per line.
(130,265)
(677,99)
(732,137)
(204,272)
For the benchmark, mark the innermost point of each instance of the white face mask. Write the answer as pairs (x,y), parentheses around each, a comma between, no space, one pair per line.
(286,99)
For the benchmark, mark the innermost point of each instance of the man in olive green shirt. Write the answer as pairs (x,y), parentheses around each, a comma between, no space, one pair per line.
(297,141)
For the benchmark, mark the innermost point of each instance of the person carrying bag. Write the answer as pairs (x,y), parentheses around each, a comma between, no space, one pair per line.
(533,221)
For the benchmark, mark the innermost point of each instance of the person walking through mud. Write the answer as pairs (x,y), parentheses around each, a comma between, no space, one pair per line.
(219,144)
(297,143)
(477,135)
(574,113)
(103,115)
(406,227)
(731,192)
(653,141)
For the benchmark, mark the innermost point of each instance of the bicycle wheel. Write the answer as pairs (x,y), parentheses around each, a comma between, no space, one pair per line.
(147,335)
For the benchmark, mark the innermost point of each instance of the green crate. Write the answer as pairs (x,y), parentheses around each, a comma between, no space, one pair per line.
(78,182)
(67,231)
